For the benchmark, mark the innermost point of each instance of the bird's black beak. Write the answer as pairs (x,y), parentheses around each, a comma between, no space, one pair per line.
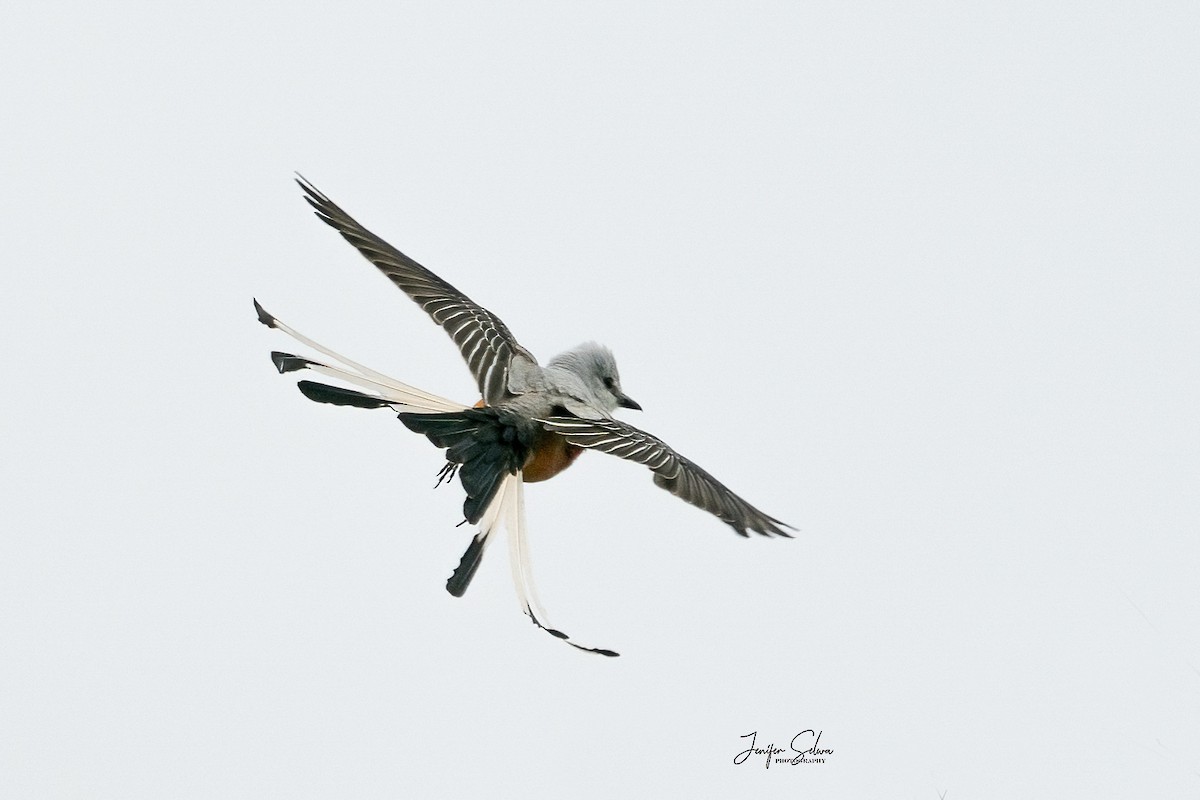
(627,402)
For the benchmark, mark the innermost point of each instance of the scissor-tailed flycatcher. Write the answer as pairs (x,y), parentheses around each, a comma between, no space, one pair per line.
(532,423)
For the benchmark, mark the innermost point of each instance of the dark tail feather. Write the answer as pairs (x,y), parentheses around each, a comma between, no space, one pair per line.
(487,443)
(465,571)
(286,362)
(324,393)
(264,316)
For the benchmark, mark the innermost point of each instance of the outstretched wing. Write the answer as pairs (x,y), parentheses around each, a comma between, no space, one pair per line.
(495,358)
(673,472)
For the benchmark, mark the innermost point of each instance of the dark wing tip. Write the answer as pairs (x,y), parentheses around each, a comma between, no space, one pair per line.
(766,526)
(263,315)
(326,210)
(308,188)
(777,528)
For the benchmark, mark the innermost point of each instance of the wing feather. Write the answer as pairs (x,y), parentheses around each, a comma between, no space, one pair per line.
(673,472)
(491,351)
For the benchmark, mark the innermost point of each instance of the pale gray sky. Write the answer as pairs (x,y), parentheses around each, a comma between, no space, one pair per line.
(922,281)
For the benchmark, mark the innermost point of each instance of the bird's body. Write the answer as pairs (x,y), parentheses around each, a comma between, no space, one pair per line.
(532,422)
(550,455)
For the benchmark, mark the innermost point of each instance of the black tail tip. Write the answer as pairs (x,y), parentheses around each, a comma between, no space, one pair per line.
(336,395)
(286,362)
(600,651)
(263,315)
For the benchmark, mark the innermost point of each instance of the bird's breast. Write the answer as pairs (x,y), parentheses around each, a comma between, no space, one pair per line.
(550,456)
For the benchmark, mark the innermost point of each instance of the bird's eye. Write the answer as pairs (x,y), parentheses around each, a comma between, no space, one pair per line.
(608,383)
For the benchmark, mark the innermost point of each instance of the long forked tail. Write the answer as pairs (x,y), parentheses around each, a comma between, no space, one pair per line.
(382,390)
(489,448)
(511,502)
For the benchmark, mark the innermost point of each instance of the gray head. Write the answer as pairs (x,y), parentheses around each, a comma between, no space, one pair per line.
(595,366)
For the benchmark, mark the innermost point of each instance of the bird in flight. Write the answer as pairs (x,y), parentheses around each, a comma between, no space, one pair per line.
(532,422)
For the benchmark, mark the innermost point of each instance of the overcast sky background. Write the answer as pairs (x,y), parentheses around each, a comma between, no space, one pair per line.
(920,281)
